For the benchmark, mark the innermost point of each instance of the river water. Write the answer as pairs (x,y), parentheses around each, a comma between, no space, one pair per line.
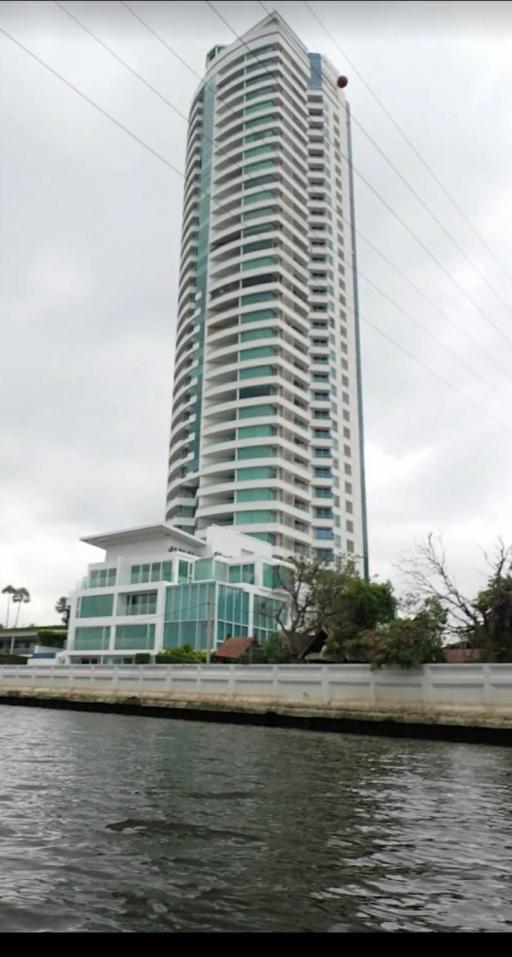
(113,823)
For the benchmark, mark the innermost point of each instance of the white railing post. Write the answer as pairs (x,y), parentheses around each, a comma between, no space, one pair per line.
(487,685)
(325,686)
(231,680)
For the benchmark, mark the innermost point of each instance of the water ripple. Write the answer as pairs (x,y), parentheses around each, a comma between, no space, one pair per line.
(111,823)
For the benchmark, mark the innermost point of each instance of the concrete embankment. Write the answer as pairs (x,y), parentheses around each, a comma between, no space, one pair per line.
(467,723)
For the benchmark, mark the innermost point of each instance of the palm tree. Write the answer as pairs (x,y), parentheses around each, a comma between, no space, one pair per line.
(20,595)
(63,609)
(9,591)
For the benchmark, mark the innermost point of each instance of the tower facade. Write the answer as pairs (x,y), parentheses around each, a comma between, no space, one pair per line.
(266,432)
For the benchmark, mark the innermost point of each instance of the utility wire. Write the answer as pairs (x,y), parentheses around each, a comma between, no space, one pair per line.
(384,202)
(428,332)
(420,292)
(404,136)
(91,102)
(169,165)
(460,329)
(120,60)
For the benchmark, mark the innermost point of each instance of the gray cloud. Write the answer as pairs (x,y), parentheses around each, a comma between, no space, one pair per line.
(90,225)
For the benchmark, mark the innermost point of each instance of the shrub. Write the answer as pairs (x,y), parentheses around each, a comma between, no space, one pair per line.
(7,659)
(184,655)
(406,643)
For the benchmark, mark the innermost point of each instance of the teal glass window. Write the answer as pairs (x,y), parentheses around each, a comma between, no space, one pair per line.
(256,517)
(324,554)
(271,576)
(265,616)
(256,391)
(189,613)
(258,315)
(150,572)
(255,411)
(262,91)
(258,229)
(264,537)
(92,639)
(264,180)
(102,577)
(95,606)
(232,612)
(259,263)
(259,244)
(252,334)
(320,492)
(252,168)
(265,105)
(255,494)
(134,637)
(258,197)
(322,453)
(322,473)
(137,603)
(259,150)
(257,452)
(326,533)
(259,51)
(255,372)
(258,297)
(259,352)
(203,569)
(323,513)
(321,396)
(241,573)
(264,211)
(255,431)
(255,473)
(183,571)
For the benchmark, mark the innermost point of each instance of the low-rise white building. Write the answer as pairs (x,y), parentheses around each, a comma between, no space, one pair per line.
(158,587)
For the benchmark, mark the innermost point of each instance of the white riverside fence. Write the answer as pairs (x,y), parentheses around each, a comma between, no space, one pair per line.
(484,685)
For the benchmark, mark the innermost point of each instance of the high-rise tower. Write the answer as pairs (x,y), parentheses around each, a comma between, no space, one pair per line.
(266,428)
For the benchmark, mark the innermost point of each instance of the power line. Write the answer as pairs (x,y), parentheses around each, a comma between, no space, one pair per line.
(179,173)
(159,38)
(432,372)
(404,136)
(384,202)
(120,60)
(428,333)
(91,102)
(432,215)
(418,290)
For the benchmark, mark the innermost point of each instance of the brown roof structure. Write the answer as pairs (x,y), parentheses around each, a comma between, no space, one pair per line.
(233,647)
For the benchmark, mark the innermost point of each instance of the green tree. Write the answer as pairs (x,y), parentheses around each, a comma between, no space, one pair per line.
(9,590)
(63,609)
(408,642)
(183,655)
(311,588)
(20,596)
(483,622)
(358,606)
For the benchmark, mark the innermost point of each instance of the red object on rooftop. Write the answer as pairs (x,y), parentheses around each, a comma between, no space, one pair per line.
(342,82)
(233,647)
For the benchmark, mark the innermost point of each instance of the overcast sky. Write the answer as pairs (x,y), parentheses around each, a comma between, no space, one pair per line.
(90,230)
